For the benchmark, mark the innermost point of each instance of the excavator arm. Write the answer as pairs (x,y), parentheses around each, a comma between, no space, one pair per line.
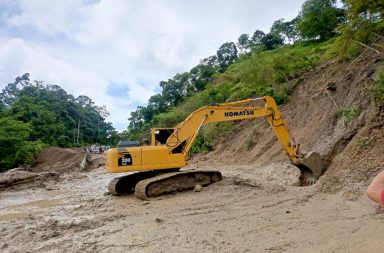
(186,132)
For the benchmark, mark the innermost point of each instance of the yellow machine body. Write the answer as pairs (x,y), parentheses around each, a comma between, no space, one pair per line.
(143,158)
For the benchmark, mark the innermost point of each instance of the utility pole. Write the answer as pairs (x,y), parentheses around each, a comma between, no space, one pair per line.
(78,132)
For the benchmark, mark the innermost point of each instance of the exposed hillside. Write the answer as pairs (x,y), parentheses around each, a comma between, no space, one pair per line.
(329,111)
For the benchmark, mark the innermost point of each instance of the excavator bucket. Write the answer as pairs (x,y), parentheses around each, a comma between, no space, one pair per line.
(311,166)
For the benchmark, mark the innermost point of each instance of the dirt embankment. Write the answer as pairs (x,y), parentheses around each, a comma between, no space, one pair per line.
(50,165)
(352,147)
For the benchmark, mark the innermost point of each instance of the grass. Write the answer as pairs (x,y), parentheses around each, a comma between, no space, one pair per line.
(377,88)
(365,142)
(348,114)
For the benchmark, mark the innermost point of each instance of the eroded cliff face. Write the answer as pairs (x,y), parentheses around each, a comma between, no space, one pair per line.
(350,143)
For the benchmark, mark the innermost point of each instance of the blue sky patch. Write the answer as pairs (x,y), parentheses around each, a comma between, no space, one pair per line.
(117,90)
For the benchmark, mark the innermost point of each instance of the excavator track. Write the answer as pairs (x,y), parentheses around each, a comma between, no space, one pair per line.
(126,184)
(175,182)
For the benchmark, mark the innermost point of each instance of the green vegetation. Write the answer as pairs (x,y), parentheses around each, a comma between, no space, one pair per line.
(275,72)
(363,25)
(377,88)
(319,18)
(15,149)
(348,114)
(34,115)
(365,142)
(209,136)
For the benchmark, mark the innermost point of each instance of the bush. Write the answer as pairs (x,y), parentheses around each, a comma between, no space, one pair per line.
(365,142)
(348,114)
(209,136)
(275,72)
(170,119)
(15,149)
(200,146)
(377,89)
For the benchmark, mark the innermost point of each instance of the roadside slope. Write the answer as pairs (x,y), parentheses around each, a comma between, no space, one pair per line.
(330,112)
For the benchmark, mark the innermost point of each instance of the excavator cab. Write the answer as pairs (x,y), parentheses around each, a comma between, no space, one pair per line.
(161,135)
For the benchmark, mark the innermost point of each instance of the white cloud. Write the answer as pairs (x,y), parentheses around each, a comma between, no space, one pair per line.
(85,47)
(17,57)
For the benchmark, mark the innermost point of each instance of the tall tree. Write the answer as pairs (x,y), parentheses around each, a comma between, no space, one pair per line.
(15,149)
(319,18)
(271,41)
(257,36)
(200,76)
(243,42)
(226,55)
(174,89)
(286,30)
(210,61)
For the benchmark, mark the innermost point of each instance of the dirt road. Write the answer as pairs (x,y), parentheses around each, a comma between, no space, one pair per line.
(254,212)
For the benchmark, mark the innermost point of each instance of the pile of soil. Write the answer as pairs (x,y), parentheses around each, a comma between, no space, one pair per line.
(59,159)
(351,148)
(20,176)
(52,163)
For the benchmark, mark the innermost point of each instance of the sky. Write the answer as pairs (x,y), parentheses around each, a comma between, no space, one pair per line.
(117,51)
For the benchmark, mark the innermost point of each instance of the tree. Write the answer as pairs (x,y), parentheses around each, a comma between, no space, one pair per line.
(364,20)
(271,41)
(14,148)
(319,18)
(243,42)
(10,93)
(226,55)
(157,102)
(210,61)
(368,10)
(257,36)
(174,89)
(200,76)
(286,30)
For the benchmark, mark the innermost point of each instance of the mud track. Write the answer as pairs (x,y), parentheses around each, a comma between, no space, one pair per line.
(251,210)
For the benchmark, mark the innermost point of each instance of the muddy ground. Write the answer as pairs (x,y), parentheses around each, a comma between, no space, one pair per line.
(254,209)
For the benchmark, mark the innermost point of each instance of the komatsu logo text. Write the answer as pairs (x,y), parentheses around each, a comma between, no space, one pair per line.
(239,113)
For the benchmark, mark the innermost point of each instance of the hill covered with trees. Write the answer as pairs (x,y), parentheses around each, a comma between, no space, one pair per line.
(34,115)
(262,64)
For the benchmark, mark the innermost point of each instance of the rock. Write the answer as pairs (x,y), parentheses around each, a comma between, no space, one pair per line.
(159,220)
(198,188)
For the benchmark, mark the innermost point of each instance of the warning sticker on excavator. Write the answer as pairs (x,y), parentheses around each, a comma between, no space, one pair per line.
(124,159)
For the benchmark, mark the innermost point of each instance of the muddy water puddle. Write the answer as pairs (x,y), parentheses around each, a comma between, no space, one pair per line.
(25,209)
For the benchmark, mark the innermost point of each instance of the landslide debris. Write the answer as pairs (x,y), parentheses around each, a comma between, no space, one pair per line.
(51,164)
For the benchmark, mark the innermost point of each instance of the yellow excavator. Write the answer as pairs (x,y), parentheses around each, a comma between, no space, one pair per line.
(157,165)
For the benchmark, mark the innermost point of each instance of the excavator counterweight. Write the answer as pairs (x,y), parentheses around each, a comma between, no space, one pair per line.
(157,165)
